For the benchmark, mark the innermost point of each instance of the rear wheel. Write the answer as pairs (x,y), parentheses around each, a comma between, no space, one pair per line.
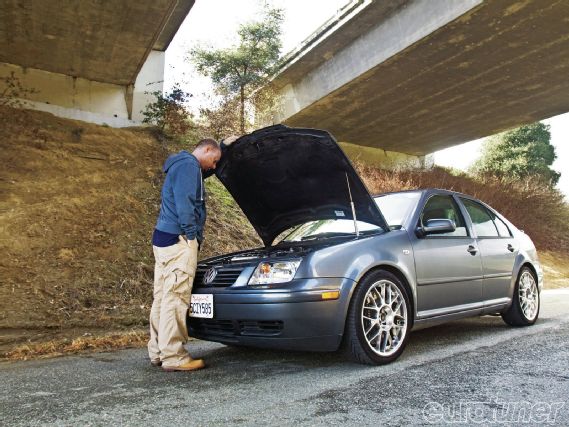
(378,320)
(525,302)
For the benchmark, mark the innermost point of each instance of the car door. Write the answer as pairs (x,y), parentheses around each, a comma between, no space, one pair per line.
(497,249)
(448,266)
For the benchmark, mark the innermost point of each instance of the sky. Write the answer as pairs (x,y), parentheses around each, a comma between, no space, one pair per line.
(215,23)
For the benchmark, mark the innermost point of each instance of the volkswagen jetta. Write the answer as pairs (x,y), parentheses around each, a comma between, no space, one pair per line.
(340,268)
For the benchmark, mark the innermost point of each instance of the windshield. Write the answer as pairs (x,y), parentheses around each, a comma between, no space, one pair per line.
(397,207)
(325,228)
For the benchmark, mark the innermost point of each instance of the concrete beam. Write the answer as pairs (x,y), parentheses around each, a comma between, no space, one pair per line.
(100,41)
(432,74)
(170,28)
(71,93)
(82,99)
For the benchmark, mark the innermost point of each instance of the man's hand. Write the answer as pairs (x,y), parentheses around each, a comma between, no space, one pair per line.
(230,140)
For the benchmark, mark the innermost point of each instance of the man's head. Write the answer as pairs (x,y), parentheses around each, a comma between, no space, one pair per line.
(208,153)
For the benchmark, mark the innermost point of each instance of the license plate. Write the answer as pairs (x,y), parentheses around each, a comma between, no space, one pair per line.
(201,305)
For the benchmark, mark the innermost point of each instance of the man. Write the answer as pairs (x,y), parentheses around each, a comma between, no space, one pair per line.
(176,241)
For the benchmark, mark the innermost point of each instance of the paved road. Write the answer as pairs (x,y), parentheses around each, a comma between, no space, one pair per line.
(464,372)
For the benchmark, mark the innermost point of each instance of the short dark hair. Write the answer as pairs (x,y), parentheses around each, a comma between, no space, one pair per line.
(208,142)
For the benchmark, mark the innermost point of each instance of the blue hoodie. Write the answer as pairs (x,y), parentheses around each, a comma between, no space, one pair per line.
(182,210)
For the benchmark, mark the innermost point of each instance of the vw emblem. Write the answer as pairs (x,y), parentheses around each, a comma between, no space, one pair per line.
(209,275)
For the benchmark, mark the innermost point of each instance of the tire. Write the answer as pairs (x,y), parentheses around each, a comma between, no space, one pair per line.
(378,326)
(524,310)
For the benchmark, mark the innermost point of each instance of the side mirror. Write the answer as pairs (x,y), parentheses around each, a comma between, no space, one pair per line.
(436,226)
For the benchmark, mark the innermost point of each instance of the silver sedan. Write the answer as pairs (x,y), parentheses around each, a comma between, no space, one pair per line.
(343,269)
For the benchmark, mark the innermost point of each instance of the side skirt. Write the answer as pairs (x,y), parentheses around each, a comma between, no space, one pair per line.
(433,317)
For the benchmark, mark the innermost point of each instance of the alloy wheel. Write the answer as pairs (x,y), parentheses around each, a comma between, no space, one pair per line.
(384,318)
(529,296)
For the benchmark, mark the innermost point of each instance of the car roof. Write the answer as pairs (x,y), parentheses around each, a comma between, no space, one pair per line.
(400,192)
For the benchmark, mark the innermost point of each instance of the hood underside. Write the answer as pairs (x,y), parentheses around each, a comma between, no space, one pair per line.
(282,177)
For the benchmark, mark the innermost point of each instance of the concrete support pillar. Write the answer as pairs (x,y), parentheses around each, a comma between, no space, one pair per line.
(150,79)
(128,96)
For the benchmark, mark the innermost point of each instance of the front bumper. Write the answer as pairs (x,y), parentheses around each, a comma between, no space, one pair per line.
(291,317)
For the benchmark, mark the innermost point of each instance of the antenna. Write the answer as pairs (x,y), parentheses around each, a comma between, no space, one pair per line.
(353,208)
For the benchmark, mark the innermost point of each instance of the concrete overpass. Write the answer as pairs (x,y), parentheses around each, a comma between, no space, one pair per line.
(416,76)
(90,59)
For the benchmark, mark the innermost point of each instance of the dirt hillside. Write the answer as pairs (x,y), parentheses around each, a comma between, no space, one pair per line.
(78,203)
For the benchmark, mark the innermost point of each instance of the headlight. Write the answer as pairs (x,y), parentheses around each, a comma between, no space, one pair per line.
(274,272)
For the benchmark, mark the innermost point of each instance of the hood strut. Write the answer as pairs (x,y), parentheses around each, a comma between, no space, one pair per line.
(353,208)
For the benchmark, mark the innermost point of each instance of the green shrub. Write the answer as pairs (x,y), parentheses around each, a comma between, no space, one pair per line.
(169,113)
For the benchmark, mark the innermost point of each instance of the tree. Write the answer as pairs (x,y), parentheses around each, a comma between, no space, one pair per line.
(519,153)
(220,118)
(168,112)
(242,69)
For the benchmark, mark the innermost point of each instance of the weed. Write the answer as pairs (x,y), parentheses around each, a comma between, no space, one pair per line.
(14,92)
(76,134)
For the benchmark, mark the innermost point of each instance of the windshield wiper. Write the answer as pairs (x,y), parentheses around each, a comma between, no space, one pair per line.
(326,235)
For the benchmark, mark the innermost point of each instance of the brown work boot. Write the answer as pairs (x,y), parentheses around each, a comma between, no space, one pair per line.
(192,365)
(156,363)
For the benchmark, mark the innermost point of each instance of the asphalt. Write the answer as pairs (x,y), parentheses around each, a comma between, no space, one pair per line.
(473,371)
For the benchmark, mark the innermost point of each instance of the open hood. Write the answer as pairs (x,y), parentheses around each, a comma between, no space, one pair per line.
(282,177)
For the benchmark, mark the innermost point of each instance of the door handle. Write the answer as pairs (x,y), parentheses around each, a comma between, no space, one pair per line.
(511,248)
(472,250)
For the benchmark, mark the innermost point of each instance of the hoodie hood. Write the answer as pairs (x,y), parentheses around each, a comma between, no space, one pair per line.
(174,158)
(282,177)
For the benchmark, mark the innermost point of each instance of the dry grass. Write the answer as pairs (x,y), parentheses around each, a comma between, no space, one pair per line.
(227,229)
(555,269)
(77,206)
(65,346)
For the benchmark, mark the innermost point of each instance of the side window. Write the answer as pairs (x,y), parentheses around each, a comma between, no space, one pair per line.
(503,229)
(444,207)
(481,219)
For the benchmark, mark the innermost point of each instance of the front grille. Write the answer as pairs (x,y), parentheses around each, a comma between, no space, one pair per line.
(226,276)
(215,327)
(231,328)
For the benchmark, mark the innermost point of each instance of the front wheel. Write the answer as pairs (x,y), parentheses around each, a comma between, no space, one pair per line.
(378,320)
(525,301)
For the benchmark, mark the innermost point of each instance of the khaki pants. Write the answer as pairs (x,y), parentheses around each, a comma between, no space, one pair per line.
(174,273)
